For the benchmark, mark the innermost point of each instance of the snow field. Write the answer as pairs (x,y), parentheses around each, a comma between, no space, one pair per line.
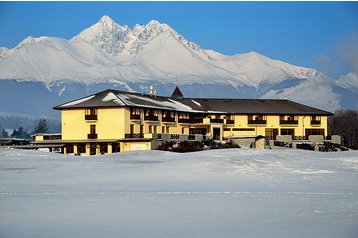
(218,193)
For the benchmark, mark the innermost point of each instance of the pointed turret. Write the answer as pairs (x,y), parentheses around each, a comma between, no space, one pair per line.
(177,94)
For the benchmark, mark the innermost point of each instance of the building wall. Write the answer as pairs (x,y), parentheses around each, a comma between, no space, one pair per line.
(110,124)
(115,123)
(273,122)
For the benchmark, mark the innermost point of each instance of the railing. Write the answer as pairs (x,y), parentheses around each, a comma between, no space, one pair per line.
(257,121)
(134,136)
(315,122)
(168,119)
(151,118)
(135,117)
(91,136)
(228,121)
(91,117)
(288,122)
(184,120)
(190,120)
(217,120)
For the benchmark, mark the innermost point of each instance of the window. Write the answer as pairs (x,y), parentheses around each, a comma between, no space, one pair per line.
(93,129)
(132,129)
(103,148)
(227,129)
(314,132)
(91,111)
(163,129)
(243,129)
(288,132)
(135,113)
(150,129)
(91,114)
(141,129)
(81,148)
(155,129)
(69,149)
(116,148)
(167,130)
(183,130)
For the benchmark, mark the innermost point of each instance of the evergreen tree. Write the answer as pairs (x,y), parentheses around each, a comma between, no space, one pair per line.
(20,133)
(3,133)
(41,127)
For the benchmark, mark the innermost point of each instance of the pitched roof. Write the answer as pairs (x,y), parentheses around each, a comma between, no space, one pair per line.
(177,94)
(115,98)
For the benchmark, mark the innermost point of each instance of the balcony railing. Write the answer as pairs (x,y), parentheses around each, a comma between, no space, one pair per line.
(214,120)
(184,120)
(168,119)
(91,117)
(315,122)
(91,136)
(190,120)
(135,117)
(151,118)
(289,122)
(230,122)
(257,121)
(134,135)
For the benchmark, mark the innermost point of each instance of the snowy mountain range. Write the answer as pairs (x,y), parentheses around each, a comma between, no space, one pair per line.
(50,70)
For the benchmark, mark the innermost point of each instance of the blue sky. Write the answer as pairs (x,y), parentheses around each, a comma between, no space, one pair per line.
(295,32)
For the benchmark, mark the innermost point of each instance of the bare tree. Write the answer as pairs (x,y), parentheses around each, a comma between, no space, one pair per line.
(345,123)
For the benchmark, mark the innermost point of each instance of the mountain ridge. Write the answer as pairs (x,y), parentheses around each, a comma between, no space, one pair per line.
(116,56)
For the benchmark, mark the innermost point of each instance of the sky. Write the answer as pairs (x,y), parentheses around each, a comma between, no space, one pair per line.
(301,33)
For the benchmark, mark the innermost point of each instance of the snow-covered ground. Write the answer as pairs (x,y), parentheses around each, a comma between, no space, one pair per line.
(218,193)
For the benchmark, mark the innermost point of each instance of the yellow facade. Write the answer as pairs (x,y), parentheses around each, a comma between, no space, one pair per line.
(115,129)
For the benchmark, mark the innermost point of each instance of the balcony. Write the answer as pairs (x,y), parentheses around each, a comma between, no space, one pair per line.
(190,120)
(184,120)
(315,122)
(91,117)
(288,122)
(135,117)
(134,136)
(168,119)
(230,122)
(91,136)
(260,122)
(151,118)
(217,120)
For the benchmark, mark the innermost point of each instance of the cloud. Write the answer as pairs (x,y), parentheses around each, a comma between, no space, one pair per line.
(325,64)
(347,51)
(349,81)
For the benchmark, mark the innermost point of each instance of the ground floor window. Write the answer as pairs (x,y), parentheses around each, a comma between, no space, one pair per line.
(271,133)
(103,148)
(200,131)
(69,149)
(81,148)
(288,132)
(93,148)
(116,148)
(314,132)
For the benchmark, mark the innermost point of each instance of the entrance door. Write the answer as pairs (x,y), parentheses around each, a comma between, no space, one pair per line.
(216,133)
(92,149)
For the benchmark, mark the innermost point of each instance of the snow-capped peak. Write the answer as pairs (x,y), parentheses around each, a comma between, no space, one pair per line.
(106,35)
(31,40)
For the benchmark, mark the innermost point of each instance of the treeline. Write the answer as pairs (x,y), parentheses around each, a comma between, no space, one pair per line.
(22,133)
(345,124)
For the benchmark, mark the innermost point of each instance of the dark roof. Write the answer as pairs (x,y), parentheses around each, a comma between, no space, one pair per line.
(177,94)
(115,98)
